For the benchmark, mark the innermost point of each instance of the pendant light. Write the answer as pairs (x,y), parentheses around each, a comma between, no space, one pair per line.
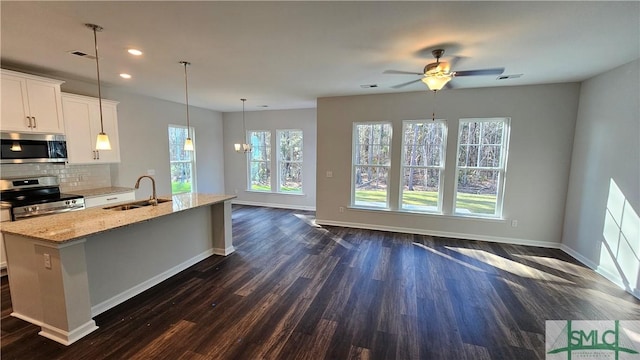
(102,140)
(245,148)
(188,143)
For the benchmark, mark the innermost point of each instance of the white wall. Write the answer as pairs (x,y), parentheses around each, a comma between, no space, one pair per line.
(602,228)
(143,124)
(235,164)
(542,125)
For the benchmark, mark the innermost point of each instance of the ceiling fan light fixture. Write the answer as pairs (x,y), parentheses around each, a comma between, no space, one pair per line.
(437,82)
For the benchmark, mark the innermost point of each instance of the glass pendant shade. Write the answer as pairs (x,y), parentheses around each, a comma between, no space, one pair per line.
(238,147)
(188,144)
(102,142)
(436,82)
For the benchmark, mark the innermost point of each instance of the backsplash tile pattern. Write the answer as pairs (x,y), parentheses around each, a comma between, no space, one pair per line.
(71,177)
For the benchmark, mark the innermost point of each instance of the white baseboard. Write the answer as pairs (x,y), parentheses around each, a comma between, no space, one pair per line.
(145,285)
(614,278)
(26,318)
(515,241)
(274,205)
(67,337)
(224,252)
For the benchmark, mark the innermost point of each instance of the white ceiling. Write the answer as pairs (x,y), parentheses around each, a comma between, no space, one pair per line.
(287,54)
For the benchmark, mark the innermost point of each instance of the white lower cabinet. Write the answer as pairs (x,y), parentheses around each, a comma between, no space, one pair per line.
(5,215)
(82,124)
(106,200)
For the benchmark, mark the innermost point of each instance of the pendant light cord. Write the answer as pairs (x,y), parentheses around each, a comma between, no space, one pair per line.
(186,92)
(433,115)
(95,41)
(244,128)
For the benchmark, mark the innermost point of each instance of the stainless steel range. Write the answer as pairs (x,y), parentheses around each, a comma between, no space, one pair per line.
(36,196)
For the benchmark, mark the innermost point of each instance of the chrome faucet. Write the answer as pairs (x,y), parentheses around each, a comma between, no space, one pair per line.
(153,200)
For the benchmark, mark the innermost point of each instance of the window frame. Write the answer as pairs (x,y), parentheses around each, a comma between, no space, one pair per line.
(441,167)
(280,161)
(354,145)
(502,168)
(192,131)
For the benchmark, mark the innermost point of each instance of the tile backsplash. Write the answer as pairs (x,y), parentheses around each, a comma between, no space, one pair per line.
(71,177)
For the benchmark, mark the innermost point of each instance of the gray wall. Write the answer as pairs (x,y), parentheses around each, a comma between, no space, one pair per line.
(542,125)
(235,164)
(602,228)
(142,125)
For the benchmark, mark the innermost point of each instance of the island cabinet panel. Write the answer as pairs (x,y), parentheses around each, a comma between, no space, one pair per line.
(82,121)
(30,104)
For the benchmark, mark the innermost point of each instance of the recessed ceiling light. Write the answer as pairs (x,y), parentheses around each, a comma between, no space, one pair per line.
(369,86)
(125,76)
(135,52)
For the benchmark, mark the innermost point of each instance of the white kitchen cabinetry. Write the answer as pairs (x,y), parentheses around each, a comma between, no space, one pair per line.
(30,104)
(106,200)
(5,215)
(82,122)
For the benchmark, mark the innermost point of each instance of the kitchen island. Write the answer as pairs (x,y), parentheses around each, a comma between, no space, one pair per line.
(65,269)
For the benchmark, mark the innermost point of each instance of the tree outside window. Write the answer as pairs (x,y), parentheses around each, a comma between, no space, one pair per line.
(182,162)
(290,161)
(260,161)
(481,165)
(423,157)
(371,164)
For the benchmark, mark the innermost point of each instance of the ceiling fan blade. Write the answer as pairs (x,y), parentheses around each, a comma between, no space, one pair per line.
(405,84)
(495,71)
(402,72)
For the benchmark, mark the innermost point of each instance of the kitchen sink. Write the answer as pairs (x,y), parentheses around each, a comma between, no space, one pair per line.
(134,205)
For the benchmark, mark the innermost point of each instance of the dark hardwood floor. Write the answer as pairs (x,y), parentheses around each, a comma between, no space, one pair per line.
(296,291)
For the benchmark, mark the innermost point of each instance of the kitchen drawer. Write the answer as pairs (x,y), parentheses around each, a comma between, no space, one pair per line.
(106,200)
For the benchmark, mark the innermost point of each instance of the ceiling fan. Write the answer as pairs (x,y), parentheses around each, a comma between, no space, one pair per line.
(436,75)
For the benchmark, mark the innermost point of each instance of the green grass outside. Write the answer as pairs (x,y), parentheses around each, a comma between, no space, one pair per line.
(474,203)
(178,187)
(258,187)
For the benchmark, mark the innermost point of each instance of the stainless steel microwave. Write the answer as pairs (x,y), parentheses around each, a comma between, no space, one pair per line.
(17,148)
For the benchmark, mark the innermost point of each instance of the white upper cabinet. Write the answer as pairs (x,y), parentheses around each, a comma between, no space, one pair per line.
(82,121)
(30,104)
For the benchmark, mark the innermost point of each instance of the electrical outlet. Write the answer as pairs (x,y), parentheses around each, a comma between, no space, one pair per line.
(151,172)
(341,209)
(329,174)
(514,223)
(47,261)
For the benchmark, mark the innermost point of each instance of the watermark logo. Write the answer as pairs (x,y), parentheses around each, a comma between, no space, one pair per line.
(591,339)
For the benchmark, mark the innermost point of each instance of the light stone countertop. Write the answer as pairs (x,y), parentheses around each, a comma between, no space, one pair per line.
(100,191)
(73,225)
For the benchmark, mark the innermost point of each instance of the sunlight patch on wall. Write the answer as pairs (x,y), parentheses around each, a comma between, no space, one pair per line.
(620,250)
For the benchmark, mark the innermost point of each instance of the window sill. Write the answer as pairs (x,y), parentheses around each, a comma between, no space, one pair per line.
(428,214)
(274,193)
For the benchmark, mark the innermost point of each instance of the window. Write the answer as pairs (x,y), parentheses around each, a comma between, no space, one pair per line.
(371,164)
(482,155)
(423,157)
(290,161)
(260,161)
(182,163)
